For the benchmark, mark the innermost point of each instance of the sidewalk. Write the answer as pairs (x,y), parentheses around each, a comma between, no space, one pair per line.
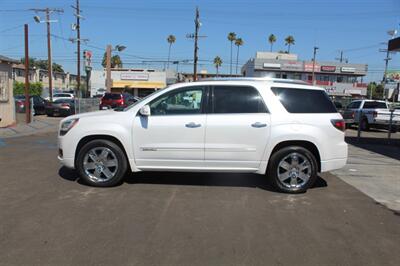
(40,124)
(373,168)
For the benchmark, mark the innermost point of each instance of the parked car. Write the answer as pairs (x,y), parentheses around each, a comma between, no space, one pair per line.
(370,114)
(286,130)
(62,95)
(60,107)
(38,104)
(114,100)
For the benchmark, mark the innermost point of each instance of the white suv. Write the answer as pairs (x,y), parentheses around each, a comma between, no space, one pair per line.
(285,129)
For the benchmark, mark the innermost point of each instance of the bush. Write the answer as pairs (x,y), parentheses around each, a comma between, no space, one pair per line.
(35,88)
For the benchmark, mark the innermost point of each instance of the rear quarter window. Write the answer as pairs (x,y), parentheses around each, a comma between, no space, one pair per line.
(304,100)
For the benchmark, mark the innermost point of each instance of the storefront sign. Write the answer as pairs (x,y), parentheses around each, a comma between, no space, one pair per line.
(308,67)
(271,65)
(328,68)
(293,66)
(134,76)
(348,69)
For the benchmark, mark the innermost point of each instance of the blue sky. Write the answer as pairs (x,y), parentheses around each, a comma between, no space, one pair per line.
(355,26)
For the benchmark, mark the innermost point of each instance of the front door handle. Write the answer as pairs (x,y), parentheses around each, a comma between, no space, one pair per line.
(258,125)
(192,125)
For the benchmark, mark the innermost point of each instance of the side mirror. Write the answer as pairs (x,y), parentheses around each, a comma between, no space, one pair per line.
(145,110)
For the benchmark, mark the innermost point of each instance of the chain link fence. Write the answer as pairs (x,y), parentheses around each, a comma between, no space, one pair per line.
(84,105)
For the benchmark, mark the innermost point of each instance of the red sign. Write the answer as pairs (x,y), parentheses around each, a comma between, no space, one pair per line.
(308,67)
(328,68)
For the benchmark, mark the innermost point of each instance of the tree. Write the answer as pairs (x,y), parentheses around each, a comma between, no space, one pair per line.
(42,64)
(35,88)
(116,61)
(289,40)
(271,40)
(171,40)
(231,38)
(238,42)
(375,91)
(217,63)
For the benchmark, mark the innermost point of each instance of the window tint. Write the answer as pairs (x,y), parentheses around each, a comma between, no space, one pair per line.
(182,102)
(237,99)
(305,100)
(354,105)
(373,105)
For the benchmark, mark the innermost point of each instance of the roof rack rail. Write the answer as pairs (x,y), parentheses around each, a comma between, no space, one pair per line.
(275,80)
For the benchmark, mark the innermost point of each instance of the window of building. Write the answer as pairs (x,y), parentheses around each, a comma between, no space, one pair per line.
(237,99)
(304,100)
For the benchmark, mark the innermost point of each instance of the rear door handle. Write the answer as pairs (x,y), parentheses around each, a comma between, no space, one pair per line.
(192,125)
(258,125)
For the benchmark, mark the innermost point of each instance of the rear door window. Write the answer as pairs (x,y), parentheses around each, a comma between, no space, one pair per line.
(111,96)
(237,100)
(374,105)
(304,100)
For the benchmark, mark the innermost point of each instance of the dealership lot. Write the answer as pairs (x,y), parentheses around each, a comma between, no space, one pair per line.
(48,217)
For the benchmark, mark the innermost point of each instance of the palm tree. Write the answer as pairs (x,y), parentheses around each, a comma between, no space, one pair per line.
(217,63)
(289,40)
(231,38)
(271,40)
(171,40)
(238,42)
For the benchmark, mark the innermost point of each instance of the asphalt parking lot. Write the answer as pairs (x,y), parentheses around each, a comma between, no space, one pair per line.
(48,218)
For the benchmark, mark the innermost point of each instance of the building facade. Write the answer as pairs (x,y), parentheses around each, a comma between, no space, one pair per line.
(138,82)
(338,78)
(7,113)
(62,81)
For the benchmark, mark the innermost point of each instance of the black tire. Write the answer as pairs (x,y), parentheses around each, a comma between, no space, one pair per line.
(122,163)
(364,124)
(278,156)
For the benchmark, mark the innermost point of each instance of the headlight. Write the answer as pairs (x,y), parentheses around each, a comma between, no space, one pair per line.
(67,125)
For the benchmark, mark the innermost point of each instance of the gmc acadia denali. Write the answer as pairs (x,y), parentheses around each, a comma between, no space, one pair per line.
(284,129)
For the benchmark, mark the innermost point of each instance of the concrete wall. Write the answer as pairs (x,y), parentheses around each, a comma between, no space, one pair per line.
(7,110)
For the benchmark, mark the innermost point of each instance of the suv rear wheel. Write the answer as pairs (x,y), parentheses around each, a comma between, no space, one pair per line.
(101,163)
(293,169)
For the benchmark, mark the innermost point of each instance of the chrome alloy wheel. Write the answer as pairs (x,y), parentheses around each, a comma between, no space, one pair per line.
(100,164)
(294,170)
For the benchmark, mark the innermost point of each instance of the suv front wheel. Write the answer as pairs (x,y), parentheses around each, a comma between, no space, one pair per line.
(101,163)
(293,169)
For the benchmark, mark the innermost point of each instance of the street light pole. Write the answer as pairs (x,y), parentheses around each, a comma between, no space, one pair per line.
(49,62)
(313,65)
(27,98)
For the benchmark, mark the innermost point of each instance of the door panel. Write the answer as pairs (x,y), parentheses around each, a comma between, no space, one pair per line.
(173,135)
(236,140)
(163,140)
(238,128)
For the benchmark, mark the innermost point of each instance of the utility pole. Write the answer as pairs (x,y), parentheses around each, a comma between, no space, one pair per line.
(313,65)
(27,98)
(78,47)
(196,37)
(341,58)
(49,62)
(108,68)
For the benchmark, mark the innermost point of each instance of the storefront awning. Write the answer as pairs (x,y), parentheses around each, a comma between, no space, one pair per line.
(138,84)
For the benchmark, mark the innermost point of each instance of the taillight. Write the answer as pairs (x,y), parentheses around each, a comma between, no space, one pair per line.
(339,124)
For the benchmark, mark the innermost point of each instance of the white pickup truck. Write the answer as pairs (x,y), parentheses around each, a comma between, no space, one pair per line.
(371,114)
